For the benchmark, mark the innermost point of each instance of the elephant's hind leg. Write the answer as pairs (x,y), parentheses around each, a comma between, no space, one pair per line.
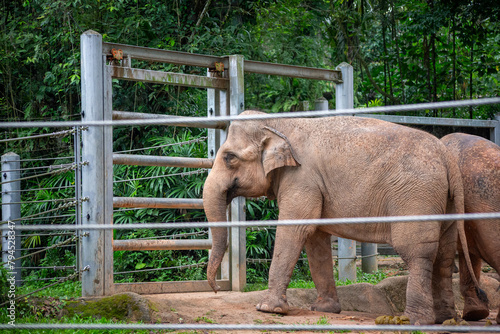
(442,292)
(318,248)
(474,308)
(419,254)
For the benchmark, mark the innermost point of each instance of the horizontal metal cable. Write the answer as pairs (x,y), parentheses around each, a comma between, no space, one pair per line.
(54,172)
(34,248)
(47,217)
(187,266)
(60,207)
(41,159)
(300,114)
(199,171)
(41,201)
(260,327)
(47,234)
(321,221)
(53,268)
(66,242)
(40,189)
(166,145)
(53,135)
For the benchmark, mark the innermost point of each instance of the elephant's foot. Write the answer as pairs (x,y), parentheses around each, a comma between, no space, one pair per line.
(273,304)
(419,318)
(498,317)
(444,311)
(326,305)
(475,310)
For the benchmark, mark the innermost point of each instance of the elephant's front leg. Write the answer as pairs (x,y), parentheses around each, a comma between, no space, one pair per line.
(288,246)
(319,253)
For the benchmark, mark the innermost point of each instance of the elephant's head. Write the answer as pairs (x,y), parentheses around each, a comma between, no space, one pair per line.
(242,167)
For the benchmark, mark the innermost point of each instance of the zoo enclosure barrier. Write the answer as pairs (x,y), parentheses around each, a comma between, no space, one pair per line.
(101,63)
(243,224)
(12,174)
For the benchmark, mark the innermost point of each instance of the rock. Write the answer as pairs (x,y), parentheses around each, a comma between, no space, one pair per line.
(364,297)
(395,290)
(127,306)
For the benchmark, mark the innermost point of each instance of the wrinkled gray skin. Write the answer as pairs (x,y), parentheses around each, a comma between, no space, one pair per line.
(479,162)
(343,167)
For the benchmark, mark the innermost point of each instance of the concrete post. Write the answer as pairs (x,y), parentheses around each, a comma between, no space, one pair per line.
(11,239)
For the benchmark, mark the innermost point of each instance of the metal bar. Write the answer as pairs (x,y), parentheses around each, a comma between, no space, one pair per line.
(95,173)
(344,99)
(159,203)
(252,66)
(322,221)
(212,124)
(11,240)
(192,59)
(238,234)
(169,287)
(165,56)
(473,123)
(299,114)
(151,160)
(179,79)
(150,245)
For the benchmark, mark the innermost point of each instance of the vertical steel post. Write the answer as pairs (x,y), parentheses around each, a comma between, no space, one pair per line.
(218,106)
(238,234)
(11,193)
(369,263)
(495,132)
(98,208)
(344,99)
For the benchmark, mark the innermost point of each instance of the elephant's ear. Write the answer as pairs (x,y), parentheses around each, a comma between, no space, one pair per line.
(277,152)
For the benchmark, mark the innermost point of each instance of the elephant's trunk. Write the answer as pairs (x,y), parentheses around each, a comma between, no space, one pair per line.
(214,203)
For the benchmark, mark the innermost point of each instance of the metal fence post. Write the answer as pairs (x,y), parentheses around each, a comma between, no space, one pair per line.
(98,208)
(218,106)
(344,99)
(238,234)
(11,166)
(495,132)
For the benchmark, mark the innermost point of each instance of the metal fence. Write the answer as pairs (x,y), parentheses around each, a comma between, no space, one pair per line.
(226,101)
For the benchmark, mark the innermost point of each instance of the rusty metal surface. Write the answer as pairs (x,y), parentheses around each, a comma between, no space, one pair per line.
(151,160)
(158,203)
(148,245)
(165,56)
(121,115)
(292,71)
(169,287)
(179,79)
(192,59)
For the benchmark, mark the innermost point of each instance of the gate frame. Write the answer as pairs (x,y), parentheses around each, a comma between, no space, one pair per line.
(225,97)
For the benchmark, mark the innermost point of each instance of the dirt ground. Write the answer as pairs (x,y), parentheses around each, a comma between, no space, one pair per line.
(239,308)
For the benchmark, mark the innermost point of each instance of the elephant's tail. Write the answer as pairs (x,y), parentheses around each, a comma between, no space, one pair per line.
(456,193)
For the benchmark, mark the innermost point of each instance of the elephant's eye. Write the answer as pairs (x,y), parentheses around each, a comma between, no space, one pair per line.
(229,158)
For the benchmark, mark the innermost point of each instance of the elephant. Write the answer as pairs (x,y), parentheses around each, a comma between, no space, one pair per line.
(479,163)
(338,167)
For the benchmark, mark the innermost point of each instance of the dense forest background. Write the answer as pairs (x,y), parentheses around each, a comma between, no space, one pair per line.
(402,52)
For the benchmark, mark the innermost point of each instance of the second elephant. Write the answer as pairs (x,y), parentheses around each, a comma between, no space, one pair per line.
(479,162)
